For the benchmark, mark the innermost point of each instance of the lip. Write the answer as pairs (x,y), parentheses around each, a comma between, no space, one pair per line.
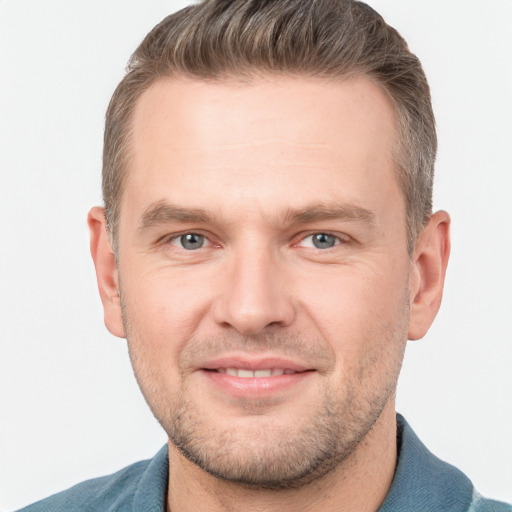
(253,364)
(254,387)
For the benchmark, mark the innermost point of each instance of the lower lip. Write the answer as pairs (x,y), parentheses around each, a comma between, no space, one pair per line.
(260,387)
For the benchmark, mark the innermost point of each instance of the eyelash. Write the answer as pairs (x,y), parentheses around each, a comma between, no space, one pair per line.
(169,239)
(338,240)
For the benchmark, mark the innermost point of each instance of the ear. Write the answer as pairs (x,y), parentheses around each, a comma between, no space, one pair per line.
(428,269)
(106,271)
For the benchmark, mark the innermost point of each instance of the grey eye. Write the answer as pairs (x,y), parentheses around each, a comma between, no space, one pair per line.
(191,241)
(323,240)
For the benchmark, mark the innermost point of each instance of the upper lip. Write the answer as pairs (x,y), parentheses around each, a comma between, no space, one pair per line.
(253,363)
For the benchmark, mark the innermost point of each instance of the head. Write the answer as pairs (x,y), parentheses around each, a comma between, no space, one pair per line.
(240,40)
(268,245)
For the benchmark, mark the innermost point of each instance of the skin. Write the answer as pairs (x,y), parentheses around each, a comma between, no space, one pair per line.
(269,164)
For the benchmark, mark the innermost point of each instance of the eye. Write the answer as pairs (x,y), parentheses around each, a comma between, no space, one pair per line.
(320,241)
(190,241)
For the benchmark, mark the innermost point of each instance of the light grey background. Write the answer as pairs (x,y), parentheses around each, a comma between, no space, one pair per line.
(69,406)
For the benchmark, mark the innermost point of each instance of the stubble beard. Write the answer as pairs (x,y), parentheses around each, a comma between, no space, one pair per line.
(274,456)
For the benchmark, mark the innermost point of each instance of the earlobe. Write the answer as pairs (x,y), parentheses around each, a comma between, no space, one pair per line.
(106,271)
(428,269)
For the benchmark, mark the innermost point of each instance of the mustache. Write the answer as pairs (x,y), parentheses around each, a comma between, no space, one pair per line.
(314,351)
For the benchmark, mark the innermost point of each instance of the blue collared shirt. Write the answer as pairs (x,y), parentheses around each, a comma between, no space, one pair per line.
(422,483)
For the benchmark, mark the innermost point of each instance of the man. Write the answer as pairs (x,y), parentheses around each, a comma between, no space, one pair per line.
(267,247)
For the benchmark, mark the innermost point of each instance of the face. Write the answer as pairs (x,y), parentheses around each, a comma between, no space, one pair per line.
(263,271)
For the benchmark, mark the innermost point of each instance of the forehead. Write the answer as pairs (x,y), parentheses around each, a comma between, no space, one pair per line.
(231,112)
(274,140)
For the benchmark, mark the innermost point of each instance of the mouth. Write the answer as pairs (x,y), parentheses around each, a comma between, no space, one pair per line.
(242,378)
(256,374)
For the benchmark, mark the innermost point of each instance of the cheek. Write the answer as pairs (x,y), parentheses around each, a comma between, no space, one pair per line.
(353,295)
(165,308)
(166,301)
(357,309)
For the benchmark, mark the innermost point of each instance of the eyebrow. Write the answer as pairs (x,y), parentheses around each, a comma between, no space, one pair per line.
(320,212)
(162,213)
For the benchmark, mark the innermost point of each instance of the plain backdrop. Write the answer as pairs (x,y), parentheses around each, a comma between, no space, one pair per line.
(69,406)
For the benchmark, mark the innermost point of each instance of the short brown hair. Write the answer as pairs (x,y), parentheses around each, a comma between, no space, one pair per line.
(219,39)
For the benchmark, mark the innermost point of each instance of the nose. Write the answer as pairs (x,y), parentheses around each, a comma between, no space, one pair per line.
(254,294)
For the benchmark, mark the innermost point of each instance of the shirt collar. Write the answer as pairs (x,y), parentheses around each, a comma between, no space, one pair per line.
(422,482)
(151,493)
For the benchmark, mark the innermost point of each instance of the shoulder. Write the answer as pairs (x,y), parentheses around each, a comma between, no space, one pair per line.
(481,504)
(145,480)
(424,483)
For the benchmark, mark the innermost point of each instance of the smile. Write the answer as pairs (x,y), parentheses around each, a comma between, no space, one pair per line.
(249,374)
(256,383)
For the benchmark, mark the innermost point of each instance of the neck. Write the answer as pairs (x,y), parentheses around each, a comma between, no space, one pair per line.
(359,484)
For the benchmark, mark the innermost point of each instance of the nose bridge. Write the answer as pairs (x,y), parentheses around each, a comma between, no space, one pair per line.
(254,295)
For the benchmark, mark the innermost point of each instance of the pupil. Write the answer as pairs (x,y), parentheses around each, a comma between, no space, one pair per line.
(192,241)
(323,241)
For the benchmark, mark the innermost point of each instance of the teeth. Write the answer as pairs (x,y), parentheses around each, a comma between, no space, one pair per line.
(249,374)
(263,373)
